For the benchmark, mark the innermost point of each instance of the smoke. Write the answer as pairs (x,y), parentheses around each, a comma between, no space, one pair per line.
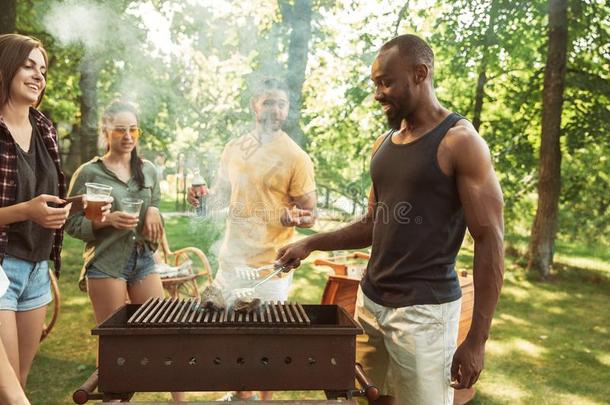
(116,41)
(86,23)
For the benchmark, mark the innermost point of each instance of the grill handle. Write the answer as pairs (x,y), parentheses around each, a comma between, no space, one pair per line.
(85,393)
(368,389)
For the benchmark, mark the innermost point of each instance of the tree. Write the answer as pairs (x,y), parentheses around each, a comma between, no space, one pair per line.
(549,183)
(89,74)
(585,183)
(195,96)
(511,104)
(490,60)
(488,40)
(298,17)
(8,16)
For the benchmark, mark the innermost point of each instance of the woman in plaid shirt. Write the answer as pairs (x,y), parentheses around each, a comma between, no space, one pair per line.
(32,208)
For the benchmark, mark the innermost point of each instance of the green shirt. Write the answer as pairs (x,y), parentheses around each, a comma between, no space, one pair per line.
(109,248)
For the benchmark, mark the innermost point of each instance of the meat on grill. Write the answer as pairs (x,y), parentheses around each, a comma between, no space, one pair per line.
(212,299)
(246,306)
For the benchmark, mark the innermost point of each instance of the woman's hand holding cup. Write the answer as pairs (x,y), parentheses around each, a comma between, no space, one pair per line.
(129,215)
(122,220)
(39,211)
(105,208)
(97,201)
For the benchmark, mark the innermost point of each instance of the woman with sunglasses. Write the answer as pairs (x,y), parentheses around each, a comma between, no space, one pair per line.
(32,208)
(118,256)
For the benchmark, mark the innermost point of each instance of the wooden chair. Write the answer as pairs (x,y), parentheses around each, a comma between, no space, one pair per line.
(46,328)
(464,396)
(341,289)
(186,286)
(339,268)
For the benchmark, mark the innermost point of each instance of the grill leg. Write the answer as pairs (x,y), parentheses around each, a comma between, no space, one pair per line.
(335,394)
(86,391)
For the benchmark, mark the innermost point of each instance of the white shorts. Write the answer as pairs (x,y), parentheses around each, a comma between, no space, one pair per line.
(407,352)
(275,289)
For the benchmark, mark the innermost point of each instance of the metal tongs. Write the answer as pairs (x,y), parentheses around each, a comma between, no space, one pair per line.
(249,291)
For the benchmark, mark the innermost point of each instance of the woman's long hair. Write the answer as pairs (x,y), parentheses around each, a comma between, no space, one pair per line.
(135,163)
(14,52)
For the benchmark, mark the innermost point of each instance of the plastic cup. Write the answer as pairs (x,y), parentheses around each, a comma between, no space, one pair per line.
(131,206)
(98,195)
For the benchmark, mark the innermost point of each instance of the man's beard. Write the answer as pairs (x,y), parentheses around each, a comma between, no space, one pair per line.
(394,121)
(401,109)
(271,125)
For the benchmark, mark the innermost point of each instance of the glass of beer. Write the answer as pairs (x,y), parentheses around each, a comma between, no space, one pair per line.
(97,196)
(131,206)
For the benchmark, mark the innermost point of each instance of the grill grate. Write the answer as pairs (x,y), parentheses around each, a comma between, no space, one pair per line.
(188,312)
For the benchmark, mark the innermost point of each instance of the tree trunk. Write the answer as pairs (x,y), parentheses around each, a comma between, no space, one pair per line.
(299,19)
(72,159)
(8,16)
(549,183)
(478,97)
(489,40)
(89,72)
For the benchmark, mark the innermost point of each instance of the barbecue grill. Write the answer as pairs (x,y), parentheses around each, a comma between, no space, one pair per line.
(176,345)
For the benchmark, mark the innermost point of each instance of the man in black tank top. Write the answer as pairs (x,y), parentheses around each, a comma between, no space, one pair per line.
(432,177)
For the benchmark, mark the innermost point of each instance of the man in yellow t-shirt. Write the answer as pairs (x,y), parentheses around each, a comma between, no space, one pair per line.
(267,180)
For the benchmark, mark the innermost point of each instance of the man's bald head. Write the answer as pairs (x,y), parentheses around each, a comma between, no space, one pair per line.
(412,49)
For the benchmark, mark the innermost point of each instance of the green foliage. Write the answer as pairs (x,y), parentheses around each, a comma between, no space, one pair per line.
(194,96)
(586,124)
(340,115)
(62,94)
(504,42)
(509,44)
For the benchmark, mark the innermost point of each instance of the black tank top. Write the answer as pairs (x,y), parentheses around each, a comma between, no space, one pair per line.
(419,224)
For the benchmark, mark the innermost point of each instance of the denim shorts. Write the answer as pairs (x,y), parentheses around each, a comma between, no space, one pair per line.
(139,265)
(29,284)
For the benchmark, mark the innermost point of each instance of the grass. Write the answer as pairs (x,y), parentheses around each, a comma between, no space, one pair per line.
(550,341)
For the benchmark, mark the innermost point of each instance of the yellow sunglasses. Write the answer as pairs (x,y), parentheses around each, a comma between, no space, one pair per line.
(119,132)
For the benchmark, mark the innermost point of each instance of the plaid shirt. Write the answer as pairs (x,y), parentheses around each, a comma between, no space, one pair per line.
(8,177)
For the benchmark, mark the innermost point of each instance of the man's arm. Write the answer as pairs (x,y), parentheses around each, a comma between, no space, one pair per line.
(219,196)
(357,235)
(481,198)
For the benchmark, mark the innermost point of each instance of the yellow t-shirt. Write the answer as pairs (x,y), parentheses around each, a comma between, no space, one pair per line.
(263,178)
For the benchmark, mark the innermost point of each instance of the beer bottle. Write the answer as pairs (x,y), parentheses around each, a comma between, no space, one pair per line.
(201,191)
